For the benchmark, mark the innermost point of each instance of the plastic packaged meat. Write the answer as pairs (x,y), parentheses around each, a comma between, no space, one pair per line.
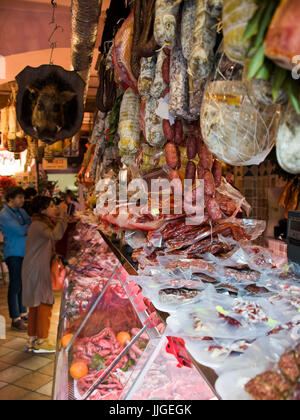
(122,53)
(236,14)
(283,38)
(129,127)
(236,130)
(288,141)
(263,372)
(165,380)
(170,294)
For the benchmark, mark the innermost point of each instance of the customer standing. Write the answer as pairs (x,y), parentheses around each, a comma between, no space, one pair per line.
(30,193)
(14,224)
(48,225)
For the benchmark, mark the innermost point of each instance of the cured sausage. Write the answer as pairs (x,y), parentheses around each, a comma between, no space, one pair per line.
(217,172)
(166,71)
(191,147)
(209,184)
(179,83)
(154,127)
(169,130)
(147,75)
(205,35)
(172,156)
(187,27)
(214,210)
(190,172)
(165,25)
(206,157)
(179,135)
(159,85)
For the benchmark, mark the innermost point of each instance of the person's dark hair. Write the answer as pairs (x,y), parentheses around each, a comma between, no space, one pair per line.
(39,204)
(30,192)
(13,192)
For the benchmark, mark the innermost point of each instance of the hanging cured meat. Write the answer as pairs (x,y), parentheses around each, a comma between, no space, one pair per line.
(205,34)
(288,142)
(129,127)
(282,42)
(165,25)
(122,53)
(144,43)
(236,15)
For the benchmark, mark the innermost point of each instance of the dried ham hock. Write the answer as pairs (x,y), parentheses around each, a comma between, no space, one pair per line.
(282,42)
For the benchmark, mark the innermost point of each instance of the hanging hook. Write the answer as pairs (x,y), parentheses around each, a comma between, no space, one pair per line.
(54,6)
(56,28)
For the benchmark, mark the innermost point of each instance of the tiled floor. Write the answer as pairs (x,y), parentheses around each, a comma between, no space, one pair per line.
(24,376)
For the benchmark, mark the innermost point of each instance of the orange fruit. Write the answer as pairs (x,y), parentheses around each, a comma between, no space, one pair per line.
(123,337)
(65,341)
(79,370)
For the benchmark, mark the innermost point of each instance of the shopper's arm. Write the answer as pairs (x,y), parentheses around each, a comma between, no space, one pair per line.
(57,232)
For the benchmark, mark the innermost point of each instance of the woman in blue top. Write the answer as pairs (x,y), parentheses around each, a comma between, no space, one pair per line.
(14,224)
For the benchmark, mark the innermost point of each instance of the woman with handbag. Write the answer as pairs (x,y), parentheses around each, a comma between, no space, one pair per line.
(39,267)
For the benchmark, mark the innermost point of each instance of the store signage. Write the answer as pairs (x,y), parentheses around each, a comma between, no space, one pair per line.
(59,164)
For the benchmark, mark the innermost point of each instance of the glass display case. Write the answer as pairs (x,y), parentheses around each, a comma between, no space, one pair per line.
(111,340)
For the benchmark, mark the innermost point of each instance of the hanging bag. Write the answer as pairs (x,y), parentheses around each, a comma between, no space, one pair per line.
(58,273)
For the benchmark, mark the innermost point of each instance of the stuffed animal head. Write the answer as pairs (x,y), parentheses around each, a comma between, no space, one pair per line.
(50,102)
(48,117)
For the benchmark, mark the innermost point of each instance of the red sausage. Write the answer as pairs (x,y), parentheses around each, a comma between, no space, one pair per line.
(214,210)
(217,173)
(169,130)
(200,171)
(191,147)
(206,157)
(172,154)
(166,71)
(209,183)
(174,175)
(166,91)
(190,172)
(179,136)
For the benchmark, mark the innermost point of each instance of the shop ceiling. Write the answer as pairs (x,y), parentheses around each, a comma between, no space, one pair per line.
(24,35)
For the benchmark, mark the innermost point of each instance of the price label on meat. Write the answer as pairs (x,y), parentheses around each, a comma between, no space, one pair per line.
(226,98)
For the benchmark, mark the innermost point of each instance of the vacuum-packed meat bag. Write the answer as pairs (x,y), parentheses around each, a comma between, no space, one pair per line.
(129,129)
(288,141)
(236,129)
